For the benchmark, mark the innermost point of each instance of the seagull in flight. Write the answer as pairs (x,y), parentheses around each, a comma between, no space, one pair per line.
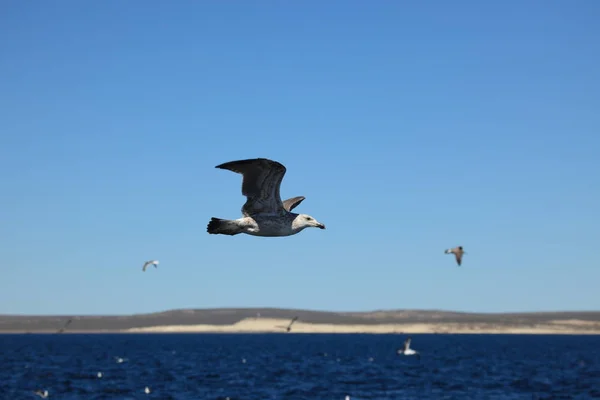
(150,262)
(407,351)
(291,323)
(458,253)
(264,213)
(120,360)
(61,330)
(42,394)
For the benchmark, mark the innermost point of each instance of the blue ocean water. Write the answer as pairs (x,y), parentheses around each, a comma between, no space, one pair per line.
(299,366)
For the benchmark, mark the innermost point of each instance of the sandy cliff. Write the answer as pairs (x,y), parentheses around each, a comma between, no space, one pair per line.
(256,325)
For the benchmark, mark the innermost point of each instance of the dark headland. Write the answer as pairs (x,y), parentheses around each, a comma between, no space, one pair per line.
(275,320)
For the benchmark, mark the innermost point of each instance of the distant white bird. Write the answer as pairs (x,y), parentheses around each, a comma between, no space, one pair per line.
(43,394)
(99,374)
(120,360)
(147,390)
(407,351)
(149,262)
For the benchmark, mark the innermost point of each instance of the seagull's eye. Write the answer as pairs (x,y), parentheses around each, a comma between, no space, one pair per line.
(308,218)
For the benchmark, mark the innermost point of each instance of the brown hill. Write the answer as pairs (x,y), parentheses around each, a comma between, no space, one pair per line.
(228,316)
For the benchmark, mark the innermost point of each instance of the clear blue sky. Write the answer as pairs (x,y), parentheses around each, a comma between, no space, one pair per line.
(410,127)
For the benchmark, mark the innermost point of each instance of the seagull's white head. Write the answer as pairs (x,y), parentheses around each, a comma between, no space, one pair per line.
(306,221)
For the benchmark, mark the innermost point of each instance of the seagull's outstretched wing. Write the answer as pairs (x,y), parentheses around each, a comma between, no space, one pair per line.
(61,330)
(260,184)
(458,256)
(458,253)
(292,322)
(406,344)
(292,203)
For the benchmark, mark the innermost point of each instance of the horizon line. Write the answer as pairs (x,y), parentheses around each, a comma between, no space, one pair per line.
(302,310)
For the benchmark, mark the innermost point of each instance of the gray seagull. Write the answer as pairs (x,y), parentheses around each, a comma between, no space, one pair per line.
(458,253)
(150,262)
(264,214)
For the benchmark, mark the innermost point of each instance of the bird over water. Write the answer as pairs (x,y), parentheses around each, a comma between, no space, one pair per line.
(407,351)
(264,214)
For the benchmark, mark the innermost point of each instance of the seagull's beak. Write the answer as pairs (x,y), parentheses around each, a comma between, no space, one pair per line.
(321,226)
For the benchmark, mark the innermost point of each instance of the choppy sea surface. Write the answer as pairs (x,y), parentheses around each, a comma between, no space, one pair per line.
(299,366)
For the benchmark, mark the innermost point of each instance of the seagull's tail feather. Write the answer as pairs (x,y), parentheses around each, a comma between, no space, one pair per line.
(220,226)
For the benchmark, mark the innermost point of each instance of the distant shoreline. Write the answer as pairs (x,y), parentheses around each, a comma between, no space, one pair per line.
(273,320)
(271,325)
(582,333)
